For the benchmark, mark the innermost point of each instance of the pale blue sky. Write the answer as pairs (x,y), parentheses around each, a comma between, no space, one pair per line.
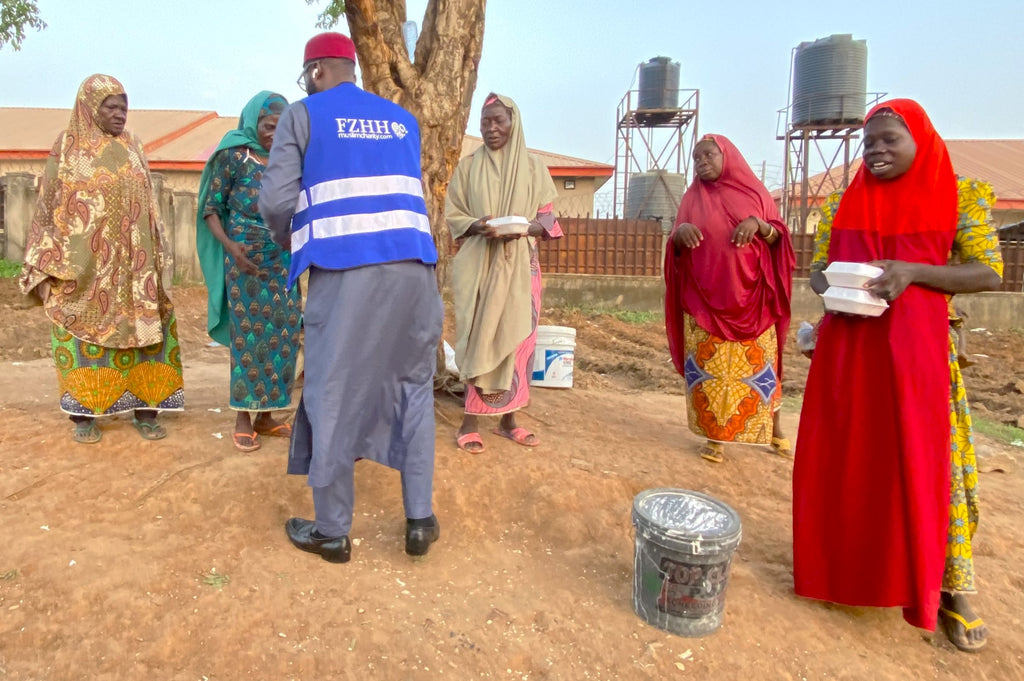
(567,64)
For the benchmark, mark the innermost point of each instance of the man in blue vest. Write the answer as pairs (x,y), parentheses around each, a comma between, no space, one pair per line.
(343,188)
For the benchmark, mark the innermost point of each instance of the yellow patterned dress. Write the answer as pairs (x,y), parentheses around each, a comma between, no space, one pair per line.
(732,386)
(975,241)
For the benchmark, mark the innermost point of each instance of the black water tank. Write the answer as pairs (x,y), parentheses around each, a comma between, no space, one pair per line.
(830,80)
(659,84)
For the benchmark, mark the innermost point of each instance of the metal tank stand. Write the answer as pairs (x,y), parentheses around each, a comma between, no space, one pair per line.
(653,139)
(821,124)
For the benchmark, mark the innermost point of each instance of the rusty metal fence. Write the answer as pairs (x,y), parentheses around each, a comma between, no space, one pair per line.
(605,246)
(634,248)
(1013,265)
(803,246)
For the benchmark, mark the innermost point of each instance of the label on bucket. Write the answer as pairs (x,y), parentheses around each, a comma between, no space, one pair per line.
(555,366)
(692,590)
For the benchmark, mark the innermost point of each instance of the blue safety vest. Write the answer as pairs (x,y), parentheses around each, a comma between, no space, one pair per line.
(362,195)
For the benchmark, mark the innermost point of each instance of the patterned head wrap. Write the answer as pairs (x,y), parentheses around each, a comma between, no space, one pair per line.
(85,139)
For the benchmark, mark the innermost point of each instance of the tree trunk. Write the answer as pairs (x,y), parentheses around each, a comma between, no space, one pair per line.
(437,88)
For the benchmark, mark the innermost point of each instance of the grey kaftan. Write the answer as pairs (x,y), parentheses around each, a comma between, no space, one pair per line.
(371,338)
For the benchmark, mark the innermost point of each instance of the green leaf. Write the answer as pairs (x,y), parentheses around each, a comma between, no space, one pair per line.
(331,15)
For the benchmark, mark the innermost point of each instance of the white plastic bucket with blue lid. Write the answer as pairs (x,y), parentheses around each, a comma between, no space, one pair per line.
(684,546)
(554,357)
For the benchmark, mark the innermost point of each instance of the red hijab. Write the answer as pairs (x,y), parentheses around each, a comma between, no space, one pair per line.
(923,199)
(734,293)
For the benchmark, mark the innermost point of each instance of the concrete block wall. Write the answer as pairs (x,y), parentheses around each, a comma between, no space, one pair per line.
(19,204)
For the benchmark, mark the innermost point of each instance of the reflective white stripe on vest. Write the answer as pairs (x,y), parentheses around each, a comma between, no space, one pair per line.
(364,223)
(299,238)
(363,186)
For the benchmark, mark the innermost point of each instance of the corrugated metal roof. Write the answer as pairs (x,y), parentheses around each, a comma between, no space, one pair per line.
(471,143)
(31,130)
(998,162)
(191,136)
(196,144)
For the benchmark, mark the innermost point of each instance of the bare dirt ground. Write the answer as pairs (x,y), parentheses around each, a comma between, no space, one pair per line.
(168,560)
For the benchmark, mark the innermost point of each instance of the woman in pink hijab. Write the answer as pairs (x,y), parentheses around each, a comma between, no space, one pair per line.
(728,276)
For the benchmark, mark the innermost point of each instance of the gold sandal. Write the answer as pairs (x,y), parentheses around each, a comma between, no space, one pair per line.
(783,447)
(952,621)
(712,451)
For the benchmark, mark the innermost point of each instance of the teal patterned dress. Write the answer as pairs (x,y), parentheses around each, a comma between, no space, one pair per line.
(265,317)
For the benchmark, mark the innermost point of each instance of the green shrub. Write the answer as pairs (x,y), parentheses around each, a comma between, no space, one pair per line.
(9,269)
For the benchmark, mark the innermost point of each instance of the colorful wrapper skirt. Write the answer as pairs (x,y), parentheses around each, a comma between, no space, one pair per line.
(99,381)
(732,387)
(963,503)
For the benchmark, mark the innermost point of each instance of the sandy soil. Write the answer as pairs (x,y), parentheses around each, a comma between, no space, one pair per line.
(168,560)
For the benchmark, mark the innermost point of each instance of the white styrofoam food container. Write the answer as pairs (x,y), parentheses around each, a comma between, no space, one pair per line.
(851,274)
(512,224)
(854,301)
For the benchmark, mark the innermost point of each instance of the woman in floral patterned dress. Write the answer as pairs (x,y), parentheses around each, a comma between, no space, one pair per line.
(95,259)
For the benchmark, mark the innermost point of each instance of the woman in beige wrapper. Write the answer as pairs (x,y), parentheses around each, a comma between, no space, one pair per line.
(496,278)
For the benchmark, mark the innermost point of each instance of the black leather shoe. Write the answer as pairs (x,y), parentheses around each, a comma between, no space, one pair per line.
(331,549)
(420,534)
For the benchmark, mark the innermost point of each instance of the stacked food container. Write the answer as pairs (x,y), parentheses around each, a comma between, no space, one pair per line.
(846,292)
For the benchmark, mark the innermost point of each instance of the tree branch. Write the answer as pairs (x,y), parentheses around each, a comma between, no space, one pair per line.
(15,15)
(376,28)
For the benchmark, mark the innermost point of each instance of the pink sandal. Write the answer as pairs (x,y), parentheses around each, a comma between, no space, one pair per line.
(518,435)
(469,439)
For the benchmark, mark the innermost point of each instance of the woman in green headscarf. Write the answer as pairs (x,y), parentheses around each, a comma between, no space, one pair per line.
(250,308)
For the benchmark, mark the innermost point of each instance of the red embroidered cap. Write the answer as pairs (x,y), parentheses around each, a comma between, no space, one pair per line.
(328,45)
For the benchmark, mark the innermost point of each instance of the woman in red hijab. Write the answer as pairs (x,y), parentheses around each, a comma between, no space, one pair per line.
(728,276)
(871,484)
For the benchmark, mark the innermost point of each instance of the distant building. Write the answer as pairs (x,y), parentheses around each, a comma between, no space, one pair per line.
(1014,232)
(575,179)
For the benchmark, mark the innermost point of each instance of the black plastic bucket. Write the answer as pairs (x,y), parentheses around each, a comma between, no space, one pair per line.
(684,546)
